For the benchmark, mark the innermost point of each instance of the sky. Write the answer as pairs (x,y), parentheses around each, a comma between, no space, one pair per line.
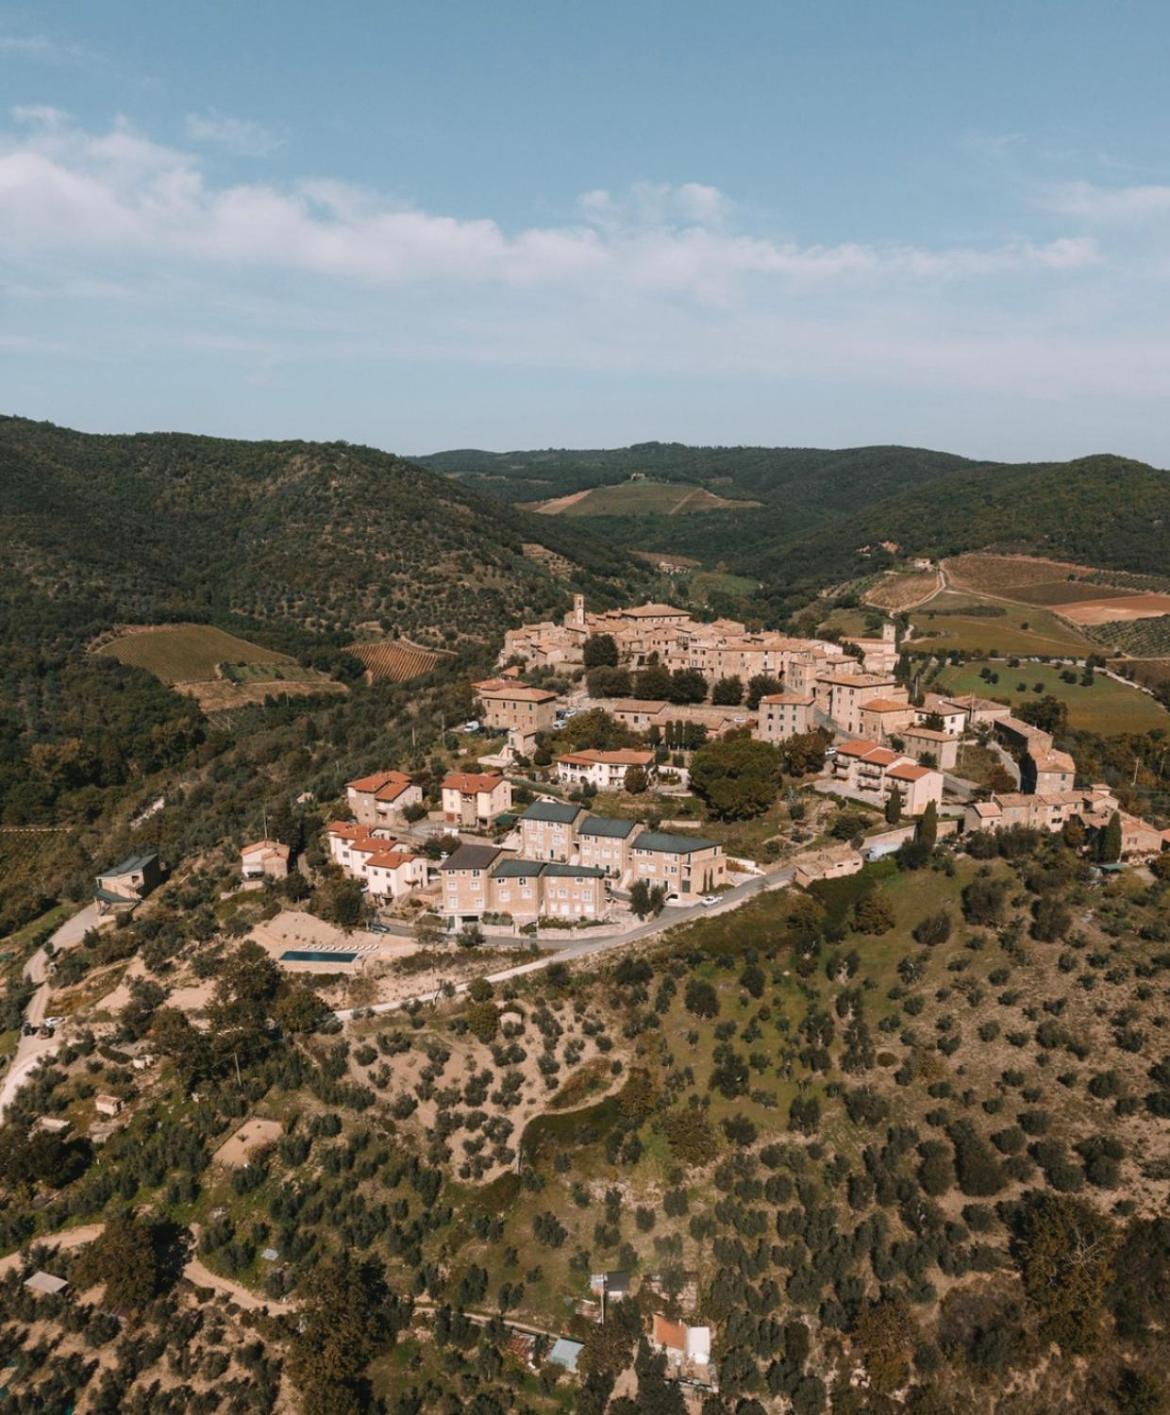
(584,223)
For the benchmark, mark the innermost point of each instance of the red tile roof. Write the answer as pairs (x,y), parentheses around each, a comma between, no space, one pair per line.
(907,771)
(468,782)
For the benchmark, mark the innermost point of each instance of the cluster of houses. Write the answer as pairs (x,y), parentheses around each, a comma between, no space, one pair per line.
(1049,797)
(562,862)
(558,860)
(667,635)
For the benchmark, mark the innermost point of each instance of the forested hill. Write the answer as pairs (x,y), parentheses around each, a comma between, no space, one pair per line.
(1101,510)
(764,473)
(321,536)
(819,507)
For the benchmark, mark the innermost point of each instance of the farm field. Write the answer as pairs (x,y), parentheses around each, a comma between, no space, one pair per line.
(901,591)
(643,498)
(187,653)
(1118,609)
(393,661)
(1108,707)
(961,621)
(1003,575)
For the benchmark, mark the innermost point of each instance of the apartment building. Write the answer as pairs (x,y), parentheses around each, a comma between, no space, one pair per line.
(387,867)
(873,772)
(517,708)
(464,889)
(605,843)
(841,695)
(784,715)
(481,879)
(922,742)
(472,799)
(604,770)
(883,718)
(685,864)
(548,829)
(1046,770)
(376,799)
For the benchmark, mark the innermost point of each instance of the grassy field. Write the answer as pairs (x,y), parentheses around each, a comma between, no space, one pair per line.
(641,498)
(1108,707)
(187,653)
(942,624)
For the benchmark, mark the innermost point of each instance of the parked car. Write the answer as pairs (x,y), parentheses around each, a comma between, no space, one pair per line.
(709,899)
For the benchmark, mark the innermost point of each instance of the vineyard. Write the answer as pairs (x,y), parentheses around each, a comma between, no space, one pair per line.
(393,661)
(1143,638)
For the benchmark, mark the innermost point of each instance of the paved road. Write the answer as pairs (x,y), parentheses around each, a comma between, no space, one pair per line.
(588,947)
(31,1051)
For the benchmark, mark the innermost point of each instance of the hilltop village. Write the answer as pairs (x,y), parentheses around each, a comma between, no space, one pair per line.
(622,775)
(556,858)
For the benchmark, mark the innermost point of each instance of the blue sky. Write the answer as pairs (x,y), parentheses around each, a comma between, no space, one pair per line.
(433,225)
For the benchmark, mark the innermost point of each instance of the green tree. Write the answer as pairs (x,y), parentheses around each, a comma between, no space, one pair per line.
(341,1326)
(728,692)
(873,914)
(300,1009)
(893,811)
(600,651)
(635,781)
(926,827)
(736,776)
(1064,1251)
(124,1258)
(1109,841)
(762,685)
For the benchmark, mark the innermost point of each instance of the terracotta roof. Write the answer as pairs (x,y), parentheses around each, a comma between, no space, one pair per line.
(885,705)
(988,808)
(856,680)
(793,699)
(392,859)
(858,747)
(509,692)
(273,847)
(655,611)
(348,830)
(907,771)
(377,781)
(622,756)
(469,781)
(932,734)
(672,1335)
(650,705)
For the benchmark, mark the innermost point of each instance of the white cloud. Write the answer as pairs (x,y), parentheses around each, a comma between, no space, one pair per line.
(242,137)
(119,191)
(1090,202)
(44,48)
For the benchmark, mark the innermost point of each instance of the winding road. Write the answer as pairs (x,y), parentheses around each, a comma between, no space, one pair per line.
(589,947)
(31,1051)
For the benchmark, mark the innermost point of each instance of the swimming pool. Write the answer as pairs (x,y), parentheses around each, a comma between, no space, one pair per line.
(307,955)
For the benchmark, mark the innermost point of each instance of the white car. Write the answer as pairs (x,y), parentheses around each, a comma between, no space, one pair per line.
(709,899)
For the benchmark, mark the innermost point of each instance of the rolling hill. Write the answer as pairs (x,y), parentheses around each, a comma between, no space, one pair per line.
(819,507)
(308,540)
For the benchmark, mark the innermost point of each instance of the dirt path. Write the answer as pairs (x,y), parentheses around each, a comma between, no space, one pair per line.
(195,1272)
(68,1238)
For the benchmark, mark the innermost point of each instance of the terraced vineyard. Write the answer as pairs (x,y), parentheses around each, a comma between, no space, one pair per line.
(395,662)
